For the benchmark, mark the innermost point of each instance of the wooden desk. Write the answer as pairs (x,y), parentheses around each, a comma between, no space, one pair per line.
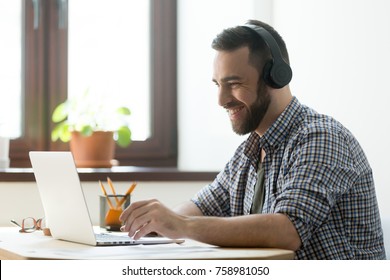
(23,246)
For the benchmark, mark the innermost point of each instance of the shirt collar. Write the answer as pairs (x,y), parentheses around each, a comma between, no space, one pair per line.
(276,133)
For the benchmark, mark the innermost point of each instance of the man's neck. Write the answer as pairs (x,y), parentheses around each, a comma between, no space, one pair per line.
(280,98)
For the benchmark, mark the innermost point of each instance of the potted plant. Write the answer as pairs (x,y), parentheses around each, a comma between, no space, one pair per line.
(87,120)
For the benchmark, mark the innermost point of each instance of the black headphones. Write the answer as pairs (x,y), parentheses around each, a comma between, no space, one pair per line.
(276,73)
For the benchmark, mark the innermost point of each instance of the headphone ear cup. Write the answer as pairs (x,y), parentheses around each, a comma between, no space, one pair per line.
(277,74)
(267,73)
(280,74)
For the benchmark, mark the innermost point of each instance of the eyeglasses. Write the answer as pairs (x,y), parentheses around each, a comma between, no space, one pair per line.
(29,224)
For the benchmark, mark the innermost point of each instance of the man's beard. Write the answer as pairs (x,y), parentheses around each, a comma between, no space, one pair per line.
(256,112)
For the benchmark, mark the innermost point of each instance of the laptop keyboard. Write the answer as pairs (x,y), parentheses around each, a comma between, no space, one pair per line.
(113,239)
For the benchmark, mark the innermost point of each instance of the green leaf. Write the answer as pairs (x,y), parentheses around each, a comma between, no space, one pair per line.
(61,132)
(65,135)
(55,134)
(124,136)
(86,130)
(60,113)
(124,111)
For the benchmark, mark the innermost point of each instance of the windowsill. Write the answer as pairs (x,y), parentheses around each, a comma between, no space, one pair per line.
(117,173)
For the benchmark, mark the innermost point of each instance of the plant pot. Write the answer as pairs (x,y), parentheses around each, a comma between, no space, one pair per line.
(93,151)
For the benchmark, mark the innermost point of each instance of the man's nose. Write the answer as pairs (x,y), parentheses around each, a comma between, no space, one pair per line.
(224,96)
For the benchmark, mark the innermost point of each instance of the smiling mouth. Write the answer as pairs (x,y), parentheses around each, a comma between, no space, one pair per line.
(232,112)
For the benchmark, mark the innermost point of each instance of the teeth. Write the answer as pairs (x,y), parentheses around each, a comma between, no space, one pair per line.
(233,111)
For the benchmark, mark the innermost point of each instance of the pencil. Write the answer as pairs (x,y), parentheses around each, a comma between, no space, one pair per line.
(129,191)
(113,191)
(105,194)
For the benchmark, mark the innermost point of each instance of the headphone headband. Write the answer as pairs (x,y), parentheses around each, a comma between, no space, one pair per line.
(268,39)
(276,73)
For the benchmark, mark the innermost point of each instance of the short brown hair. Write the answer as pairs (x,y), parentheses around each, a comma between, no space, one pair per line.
(233,38)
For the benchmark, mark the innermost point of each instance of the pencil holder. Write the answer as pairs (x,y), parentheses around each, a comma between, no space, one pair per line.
(108,218)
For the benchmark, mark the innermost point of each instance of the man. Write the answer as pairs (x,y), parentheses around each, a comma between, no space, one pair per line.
(300,181)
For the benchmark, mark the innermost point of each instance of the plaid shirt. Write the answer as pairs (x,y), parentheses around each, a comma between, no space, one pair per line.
(315,173)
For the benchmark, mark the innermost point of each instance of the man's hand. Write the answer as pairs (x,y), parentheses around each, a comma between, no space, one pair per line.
(144,217)
(258,230)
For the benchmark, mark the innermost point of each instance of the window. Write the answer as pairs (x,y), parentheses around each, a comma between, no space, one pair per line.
(10,68)
(48,51)
(108,55)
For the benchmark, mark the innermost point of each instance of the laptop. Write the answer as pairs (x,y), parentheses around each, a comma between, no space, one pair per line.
(64,203)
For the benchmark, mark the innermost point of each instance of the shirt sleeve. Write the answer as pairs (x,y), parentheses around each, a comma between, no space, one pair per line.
(320,171)
(213,199)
